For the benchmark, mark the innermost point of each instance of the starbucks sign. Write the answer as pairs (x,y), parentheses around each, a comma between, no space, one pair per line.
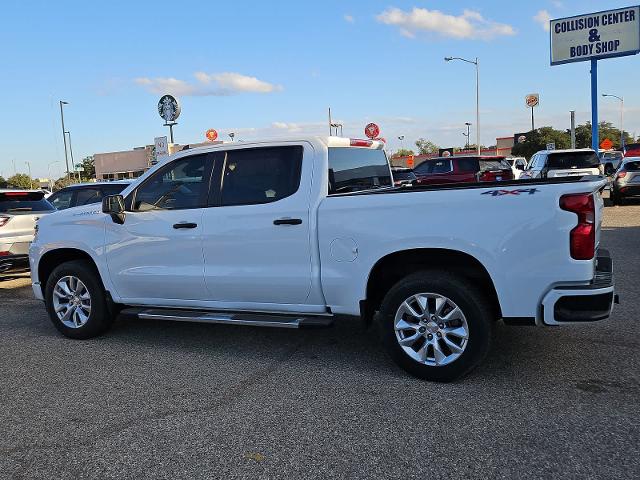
(169,108)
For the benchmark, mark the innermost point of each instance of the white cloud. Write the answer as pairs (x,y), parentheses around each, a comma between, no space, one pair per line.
(557,3)
(208,84)
(470,25)
(349,18)
(543,17)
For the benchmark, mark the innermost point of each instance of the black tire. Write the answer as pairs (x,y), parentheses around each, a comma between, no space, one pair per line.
(475,306)
(99,319)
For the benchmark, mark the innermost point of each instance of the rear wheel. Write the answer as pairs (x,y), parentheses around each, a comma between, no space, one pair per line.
(76,300)
(435,325)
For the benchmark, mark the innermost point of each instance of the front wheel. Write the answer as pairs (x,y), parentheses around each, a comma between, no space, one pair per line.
(435,325)
(76,300)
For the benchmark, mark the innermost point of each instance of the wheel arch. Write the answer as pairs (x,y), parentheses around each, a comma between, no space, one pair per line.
(51,259)
(389,269)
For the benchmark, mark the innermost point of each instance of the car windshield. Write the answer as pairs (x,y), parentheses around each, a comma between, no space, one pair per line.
(569,160)
(23,202)
(632,166)
(493,164)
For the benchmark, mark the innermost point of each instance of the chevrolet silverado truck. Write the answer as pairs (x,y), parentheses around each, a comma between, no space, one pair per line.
(295,233)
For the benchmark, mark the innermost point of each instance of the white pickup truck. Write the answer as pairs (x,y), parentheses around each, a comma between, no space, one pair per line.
(294,233)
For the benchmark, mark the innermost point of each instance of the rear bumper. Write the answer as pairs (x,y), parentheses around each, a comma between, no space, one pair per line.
(588,303)
(14,263)
(631,190)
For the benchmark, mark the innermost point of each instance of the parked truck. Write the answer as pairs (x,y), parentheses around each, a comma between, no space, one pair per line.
(296,233)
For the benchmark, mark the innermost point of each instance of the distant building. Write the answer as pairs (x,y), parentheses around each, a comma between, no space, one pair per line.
(132,163)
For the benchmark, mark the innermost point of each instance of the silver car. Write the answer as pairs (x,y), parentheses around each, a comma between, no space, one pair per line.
(626,181)
(19,212)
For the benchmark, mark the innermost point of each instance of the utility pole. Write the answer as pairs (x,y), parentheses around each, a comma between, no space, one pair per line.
(64,137)
(573,129)
(72,161)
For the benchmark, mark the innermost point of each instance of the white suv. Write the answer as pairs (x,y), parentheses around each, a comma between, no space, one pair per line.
(563,163)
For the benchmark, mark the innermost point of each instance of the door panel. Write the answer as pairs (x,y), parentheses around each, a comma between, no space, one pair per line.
(152,255)
(249,259)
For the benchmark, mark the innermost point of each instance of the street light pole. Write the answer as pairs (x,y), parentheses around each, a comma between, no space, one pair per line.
(468,124)
(71,153)
(621,117)
(477,64)
(64,137)
(30,179)
(49,171)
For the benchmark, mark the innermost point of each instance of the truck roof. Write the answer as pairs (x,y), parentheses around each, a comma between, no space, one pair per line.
(326,140)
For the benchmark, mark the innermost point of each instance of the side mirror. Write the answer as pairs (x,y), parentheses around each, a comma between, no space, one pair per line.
(114,206)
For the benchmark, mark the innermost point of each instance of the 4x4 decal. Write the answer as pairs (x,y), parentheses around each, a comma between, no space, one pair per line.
(518,191)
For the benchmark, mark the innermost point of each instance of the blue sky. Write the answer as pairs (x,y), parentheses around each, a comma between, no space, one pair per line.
(266,69)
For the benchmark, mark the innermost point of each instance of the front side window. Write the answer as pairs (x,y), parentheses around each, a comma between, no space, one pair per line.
(468,165)
(261,175)
(352,169)
(61,199)
(179,185)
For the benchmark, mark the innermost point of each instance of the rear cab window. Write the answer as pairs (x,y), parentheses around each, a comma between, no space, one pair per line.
(353,169)
(569,160)
(23,202)
(487,164)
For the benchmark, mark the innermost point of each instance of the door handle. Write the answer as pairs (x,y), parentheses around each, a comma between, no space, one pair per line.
(287,221)
(184,225)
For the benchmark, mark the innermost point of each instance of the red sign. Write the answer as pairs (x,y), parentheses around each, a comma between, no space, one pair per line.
(372,130)
(606,144)
(211,134)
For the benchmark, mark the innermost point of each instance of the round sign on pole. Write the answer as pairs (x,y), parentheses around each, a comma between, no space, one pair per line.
(372,130)
(532,100)
(169,108)
(211,135)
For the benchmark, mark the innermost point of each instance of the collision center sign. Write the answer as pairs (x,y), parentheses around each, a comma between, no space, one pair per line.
(613,33)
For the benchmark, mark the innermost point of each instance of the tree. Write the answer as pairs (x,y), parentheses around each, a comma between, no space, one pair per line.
(88,168)
(538,139)
(20,180)
(403,152)
(63,182)
(426,146)
(605,130)
(3,182)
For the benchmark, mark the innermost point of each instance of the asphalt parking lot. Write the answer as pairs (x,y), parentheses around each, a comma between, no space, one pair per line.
(175,400)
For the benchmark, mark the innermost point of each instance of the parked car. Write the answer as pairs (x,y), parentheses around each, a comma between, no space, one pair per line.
(563,163)
(19,212)
(292,233)
(402,177)
(610,160)
(466,169)
(518,165)
(86,193)
(626,181)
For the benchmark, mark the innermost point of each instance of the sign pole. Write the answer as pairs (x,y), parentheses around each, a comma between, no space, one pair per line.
(595,141)
(532,124)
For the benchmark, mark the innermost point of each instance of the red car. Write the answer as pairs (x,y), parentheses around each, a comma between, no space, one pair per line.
(463,170)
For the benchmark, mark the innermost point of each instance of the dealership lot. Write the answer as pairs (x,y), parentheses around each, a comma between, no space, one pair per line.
(175,400)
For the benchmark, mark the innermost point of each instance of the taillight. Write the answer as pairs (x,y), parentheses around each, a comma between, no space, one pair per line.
(4,220)
(621,174)
(583,237)
(356,142)
(5,254)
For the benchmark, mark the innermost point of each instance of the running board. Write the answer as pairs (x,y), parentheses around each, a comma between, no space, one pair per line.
(240,318)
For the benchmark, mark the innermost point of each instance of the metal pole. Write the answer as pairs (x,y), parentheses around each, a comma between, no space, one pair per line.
(622,123)
(171,131)
(532,123)
(73,164)
(30,180)
(573,129)
(478,105)
(330,121)
(595,141)
(64,138)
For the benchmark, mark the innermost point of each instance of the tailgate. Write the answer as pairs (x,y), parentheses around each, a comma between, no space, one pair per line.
(577,172)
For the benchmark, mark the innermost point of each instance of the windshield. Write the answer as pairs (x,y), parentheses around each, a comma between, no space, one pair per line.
(352,169)
(17,202)
(493,164)
(569,160)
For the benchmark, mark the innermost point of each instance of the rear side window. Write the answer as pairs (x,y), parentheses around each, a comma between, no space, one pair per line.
(352,169)
(469,165)
(24,202)
(430,167)
(261,175)
(569,160)
(62,199)
(88,196)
